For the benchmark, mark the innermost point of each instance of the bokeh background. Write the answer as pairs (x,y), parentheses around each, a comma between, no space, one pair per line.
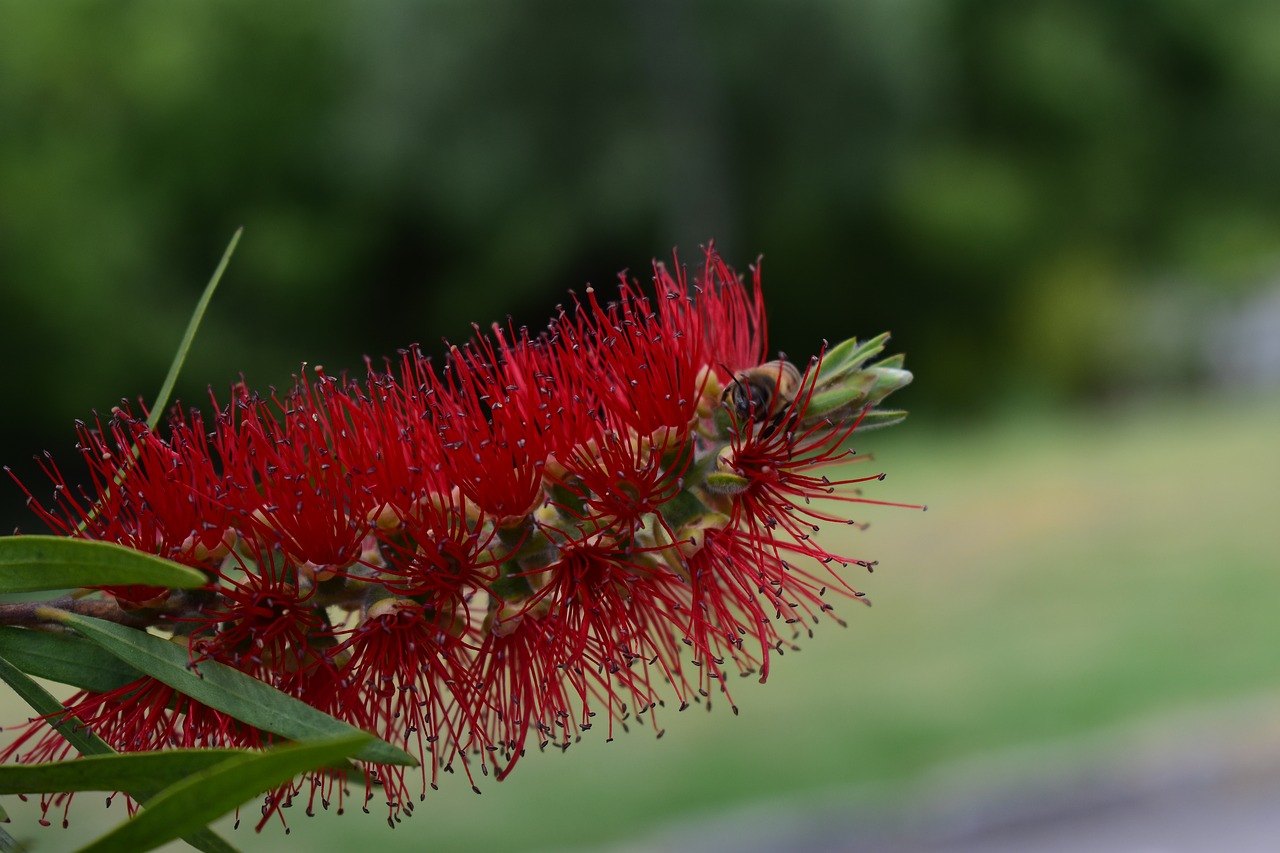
(1066,211)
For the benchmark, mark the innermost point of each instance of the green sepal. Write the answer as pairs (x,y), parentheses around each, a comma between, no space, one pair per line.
(275,566)
(513,536)
(722,483)
(723,421)
(565,496)
(848,356)
(877,418)
(511,584)
(678,458)
(854,394)
(682,509)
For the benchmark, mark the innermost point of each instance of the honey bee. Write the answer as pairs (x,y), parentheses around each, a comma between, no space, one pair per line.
(762,393)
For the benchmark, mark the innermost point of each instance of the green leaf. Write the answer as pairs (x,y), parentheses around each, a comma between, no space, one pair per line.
(208,794)
(52,710)
(30,563)
(221,687)
(130,772)
(179,358)
(175,367)
(65,658)
(88,743)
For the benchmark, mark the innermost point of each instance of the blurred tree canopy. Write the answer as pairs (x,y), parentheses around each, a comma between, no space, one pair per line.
(1013,188)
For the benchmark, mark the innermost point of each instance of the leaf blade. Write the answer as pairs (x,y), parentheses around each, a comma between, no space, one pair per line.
(116,772)
(88,744)
(57,716)
(223,688)
(211,793)
(33,563)
(197,316)
(65,658)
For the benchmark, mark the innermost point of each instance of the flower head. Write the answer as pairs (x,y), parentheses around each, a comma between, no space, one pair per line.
(543,533)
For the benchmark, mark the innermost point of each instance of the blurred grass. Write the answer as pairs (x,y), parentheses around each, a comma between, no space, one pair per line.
(1071,573)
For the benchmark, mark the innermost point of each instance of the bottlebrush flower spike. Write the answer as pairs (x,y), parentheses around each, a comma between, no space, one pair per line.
(544,533)
(170,506)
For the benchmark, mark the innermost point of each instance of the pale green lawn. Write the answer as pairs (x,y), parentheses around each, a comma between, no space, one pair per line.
(1069,574)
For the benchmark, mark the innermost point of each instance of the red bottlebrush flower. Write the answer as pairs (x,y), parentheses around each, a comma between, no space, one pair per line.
(550,532)
(262,620)
(616,479)
(582,644)
(407,668)
(635,363)
(732,317)
(492,429)
(388,445)
(140,716)
(150,494)
(284,478)
(439,553)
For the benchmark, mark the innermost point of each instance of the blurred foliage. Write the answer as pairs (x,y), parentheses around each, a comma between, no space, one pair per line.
(1014,188)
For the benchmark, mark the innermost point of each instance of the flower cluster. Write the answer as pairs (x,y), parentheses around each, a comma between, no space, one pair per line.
(542,533)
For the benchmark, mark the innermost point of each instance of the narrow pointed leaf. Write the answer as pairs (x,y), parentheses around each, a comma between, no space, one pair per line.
(209,794)
(30,563)
(175,367)
(223,688)
(88,743)
(65,658)
(179,358)
(117,772)
(51,709)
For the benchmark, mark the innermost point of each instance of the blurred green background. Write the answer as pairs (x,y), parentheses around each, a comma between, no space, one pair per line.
(1066,211)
